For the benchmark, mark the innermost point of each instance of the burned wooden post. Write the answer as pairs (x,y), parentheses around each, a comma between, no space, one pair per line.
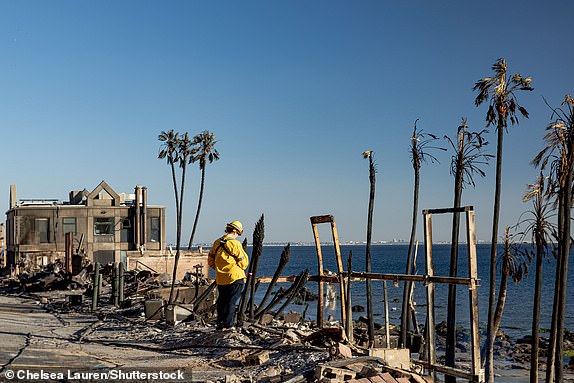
(121,282)
(370,308)
(69,251)
(96,291)
(314,222)
(349,324)
(387,328)
(477,373)
(115,284)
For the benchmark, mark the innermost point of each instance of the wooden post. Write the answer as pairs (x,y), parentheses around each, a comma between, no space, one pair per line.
(342,288)
(476,367)
(320,270)
(430,294)
(387,328)
(69,251)
(96,292)
(121,279)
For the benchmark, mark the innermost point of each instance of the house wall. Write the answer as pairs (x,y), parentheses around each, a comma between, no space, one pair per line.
(25,239)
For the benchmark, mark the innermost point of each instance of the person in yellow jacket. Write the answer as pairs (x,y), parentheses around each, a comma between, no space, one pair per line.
(229,261)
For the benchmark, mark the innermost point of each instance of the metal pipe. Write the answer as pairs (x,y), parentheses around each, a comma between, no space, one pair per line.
(143,238)
(137,220)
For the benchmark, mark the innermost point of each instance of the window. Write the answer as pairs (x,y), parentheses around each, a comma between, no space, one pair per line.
(69,224)
(126,223)
(43,229)
(154,232)
(104,226)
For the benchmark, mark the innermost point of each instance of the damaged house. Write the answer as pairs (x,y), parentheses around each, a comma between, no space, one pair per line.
(107,227)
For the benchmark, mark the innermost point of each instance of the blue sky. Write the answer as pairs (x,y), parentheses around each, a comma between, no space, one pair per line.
(295,91)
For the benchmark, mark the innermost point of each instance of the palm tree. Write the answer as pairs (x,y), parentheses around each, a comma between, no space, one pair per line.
(499,91)
(559,155)
(542,230)
(184,149)
(512,263)
(206,153)
(419,144)
(169,150)
(372,171)
(466,161)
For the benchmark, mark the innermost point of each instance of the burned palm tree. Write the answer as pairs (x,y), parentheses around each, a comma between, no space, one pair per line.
(500,92)
(558,156)
(537,223)
(246,304)
(285,255)
(513,263)
(420,143)
(371,322)
(467,160)
(205,142)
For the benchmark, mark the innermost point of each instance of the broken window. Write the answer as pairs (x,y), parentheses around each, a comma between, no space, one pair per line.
(154,232)
(104,226)
(69,225)
(43,229)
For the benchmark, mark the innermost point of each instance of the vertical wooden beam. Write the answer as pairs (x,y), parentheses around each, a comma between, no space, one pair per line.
(473,296)
(320,283)
(342,288)
(69,237)
(430,293)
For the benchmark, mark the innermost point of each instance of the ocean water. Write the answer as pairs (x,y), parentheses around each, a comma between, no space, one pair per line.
(391,259)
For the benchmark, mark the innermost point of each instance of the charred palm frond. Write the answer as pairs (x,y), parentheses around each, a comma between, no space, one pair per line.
(285,254)
(499,91)
(297,286)
(469,154)
(300,281)
(421,142)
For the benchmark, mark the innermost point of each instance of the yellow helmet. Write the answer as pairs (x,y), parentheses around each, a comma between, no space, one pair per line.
(237,226)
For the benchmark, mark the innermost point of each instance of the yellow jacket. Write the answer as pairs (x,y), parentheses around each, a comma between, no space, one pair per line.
(228,259)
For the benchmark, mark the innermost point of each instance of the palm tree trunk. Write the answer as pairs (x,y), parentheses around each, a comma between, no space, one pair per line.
(405,316)
(451,316)
(553,338)
(490,334)
(536,314)
(198,209)
(178,236)
(499,307)
(371,323)
(563,275)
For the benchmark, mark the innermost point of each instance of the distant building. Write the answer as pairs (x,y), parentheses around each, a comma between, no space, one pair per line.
(108,226)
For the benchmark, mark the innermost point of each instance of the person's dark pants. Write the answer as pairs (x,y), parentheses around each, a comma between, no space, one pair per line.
(228,295)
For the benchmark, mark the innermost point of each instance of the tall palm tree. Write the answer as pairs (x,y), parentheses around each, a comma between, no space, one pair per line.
(559,155)
(372,171)
(499,91)
(542,230)
(205,142)
(467,160)
(185,150)
(169,150)
(418,150)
